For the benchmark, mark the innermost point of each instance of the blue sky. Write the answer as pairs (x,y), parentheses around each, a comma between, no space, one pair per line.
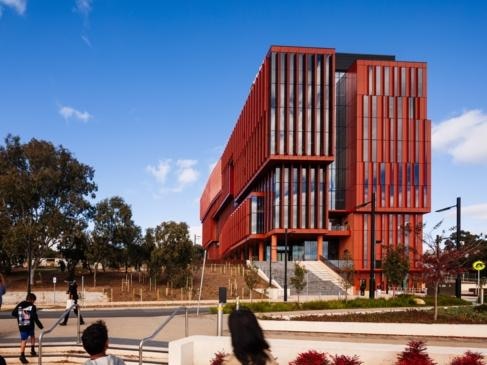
(147,92)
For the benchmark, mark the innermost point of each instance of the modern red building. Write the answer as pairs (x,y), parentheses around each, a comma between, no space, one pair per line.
(319,133)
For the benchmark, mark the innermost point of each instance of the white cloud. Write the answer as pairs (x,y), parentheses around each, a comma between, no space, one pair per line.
(174,177)
(161,171)
(68,112)
(463,137)
(86,40)
(84,6)
(477,211)
(187,174)
(18,5)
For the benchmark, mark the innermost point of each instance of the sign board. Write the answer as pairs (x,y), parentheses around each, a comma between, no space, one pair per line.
(478,265)
(54,280)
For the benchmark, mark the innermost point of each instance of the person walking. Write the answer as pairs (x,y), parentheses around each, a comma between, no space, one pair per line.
(95,343)
(248,342)
(26,314)
(72,299)
(3,289)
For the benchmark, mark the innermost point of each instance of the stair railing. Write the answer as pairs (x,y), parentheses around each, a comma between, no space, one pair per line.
(45,332)
(159,329)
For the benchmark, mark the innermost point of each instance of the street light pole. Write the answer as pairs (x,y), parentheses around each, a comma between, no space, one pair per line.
(458,206)
(372,248)
(29,266)
(285,264)
(458,280)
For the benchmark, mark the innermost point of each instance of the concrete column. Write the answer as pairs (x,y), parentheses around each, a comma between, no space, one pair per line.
(274,248)
(319,247)
(261,250)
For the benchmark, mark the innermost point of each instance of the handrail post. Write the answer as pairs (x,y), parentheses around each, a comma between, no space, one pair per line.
(186,328)
(141,343)
(78,324)
(45,332)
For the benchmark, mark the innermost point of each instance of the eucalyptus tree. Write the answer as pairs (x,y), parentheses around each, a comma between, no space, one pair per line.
(173,252)
(44,191)
(114,232)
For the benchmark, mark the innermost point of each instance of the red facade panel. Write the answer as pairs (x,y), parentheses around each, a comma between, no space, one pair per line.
(313,143)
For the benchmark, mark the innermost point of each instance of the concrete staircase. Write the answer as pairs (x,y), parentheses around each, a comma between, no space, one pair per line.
(321,280)
(72,353)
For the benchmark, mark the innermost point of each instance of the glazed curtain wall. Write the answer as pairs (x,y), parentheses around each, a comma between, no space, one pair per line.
(393,149)
(300,112)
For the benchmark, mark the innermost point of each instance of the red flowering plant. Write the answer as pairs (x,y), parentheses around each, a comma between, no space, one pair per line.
(345,360)
(218,358)
(414,354)
(469,358)
(311,357)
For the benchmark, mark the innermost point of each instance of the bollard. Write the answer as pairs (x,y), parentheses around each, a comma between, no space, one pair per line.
(237,305)
(219,322)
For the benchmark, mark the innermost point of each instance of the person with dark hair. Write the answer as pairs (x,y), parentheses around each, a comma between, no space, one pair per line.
(95,342)
(26,314)
(2,360)
(248,342)
(72,299)
(3,289)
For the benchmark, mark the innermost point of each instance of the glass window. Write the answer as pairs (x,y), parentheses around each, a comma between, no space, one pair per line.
(391,107)
(304,190)
(396,81)
(374,106)
(282,123)
(290,118)
(378,89)
(411,108)
(286,198)
(299,140)
(277,197)
(295,197)
(387,70)
(412,84)
(366,107)
(312,187)
(420,82)
(403,81)
(371,79)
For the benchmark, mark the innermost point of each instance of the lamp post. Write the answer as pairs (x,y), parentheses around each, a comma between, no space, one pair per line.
(458,205)
(285,264)
(29,266)
(372,244)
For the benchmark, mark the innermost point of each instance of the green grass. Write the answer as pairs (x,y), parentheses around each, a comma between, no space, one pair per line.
(397,301)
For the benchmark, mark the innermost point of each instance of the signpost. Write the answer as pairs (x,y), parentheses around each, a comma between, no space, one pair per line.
(54,280)
(479,266)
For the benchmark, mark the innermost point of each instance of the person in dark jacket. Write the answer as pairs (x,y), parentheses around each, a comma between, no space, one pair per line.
(26,314)
(72,299)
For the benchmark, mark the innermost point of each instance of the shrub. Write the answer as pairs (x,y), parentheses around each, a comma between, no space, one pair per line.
(414,354)
(311,357)
(469,358)
(218,358)
(346,360)
(480,308)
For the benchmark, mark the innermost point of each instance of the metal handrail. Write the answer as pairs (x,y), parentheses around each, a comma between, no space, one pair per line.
(141,344)
(45,332)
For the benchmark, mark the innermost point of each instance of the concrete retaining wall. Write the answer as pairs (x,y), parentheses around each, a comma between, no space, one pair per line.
(198,350)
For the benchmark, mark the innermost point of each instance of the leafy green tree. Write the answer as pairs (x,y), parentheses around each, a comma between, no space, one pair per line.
(73,250)
(298,280)
(251,278)
(395,264)
(173,252)
(113,233)
(44,191)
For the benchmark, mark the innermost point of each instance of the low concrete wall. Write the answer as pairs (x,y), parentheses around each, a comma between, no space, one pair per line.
(402,329)
(198,350)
